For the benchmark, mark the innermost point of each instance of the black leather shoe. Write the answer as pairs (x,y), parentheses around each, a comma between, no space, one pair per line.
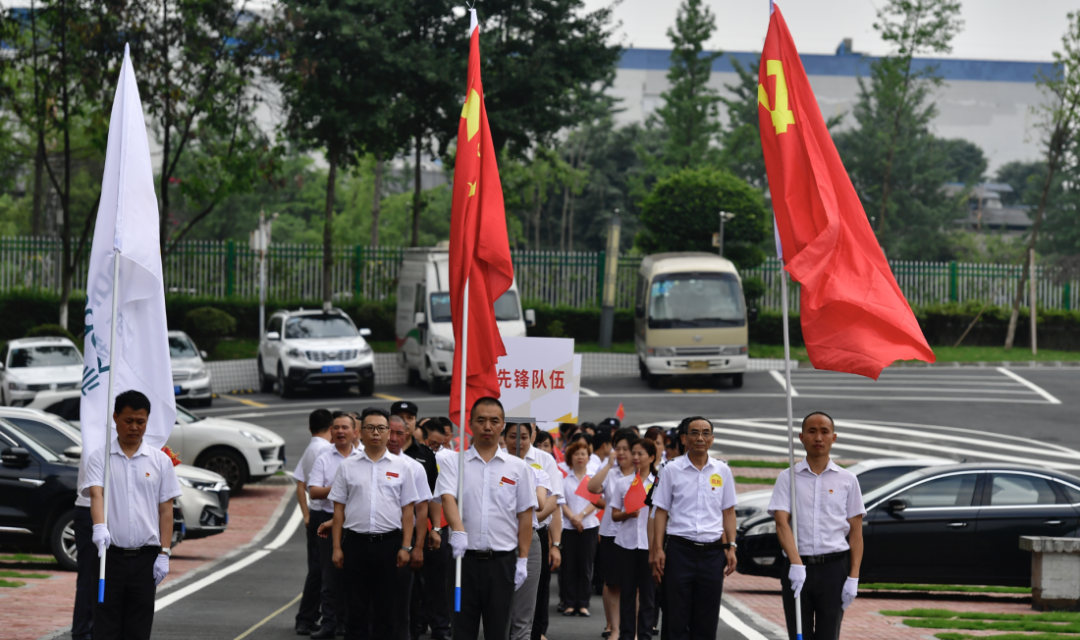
(340,631)
(561,607)
(303,629)
(326,633)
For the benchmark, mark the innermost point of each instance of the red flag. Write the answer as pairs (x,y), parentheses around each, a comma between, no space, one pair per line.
(854,316)
(635,495)
(481,259)
(620,413)
(583,491)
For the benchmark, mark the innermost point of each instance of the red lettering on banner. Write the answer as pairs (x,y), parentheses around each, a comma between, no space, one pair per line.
(504,379)
(521,378)
(557,380)
(538,379)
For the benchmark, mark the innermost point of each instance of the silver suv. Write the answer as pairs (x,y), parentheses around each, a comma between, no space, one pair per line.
(314,348)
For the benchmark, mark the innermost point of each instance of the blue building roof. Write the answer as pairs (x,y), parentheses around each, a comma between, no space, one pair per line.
(852,65)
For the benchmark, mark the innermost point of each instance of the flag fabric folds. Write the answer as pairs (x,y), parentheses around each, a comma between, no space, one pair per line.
(583,491)
(620,413)
(635,495)
(854,317)
(127,223)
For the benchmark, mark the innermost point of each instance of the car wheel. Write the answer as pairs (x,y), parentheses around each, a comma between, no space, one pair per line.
(227,463)
(643,370)
(736,381)
(413,378)
(207,402)
(652,380)
(266,385)
(62,542)
(367,387)
(284,389)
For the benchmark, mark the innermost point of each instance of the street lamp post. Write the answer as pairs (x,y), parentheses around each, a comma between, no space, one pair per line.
(724,217)
(611,272)
(260,242)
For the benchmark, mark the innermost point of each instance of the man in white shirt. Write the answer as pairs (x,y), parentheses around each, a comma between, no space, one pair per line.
(695,507)
(824,558)
(307,617)
(403,600)
(493,530)
(142,485)
(374,495)
(320,480)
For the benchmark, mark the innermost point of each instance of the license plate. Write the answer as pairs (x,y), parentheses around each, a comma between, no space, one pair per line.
(176,390)
(333,368)
(697,364)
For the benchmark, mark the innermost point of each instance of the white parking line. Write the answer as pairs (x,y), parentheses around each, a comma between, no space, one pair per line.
(589,392)
(919,389)
(738,626)
(1030,385)
(783,383)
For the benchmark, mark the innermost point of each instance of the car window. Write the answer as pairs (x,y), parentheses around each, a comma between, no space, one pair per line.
(440,308)
(874,478)
(47,356)
(506,307)
(275,324)
(32,444)
(948,491)
(695,300)
(53,439)
(68,409)
(181,347)
(183,416)
(1071,492)
(1017,490)
(322,326)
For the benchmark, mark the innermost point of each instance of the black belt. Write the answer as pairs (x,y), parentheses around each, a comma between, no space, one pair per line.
(487,555)
(700,546)
(371,537)
(825,558)
(137,551)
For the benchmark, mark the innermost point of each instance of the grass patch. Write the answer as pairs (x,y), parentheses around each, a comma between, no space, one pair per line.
(1056,622)
(943,353)
(4,573)
(1007,636)
(383,346)
(757,464)
(945,587)
(235,349)
(594,347)
(11,583)
(776,352)
(26,557)
(746,480)
(1051,616)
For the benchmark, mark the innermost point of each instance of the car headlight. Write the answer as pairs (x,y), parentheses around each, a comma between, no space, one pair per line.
(745,512)
(441,343)
(662,352)
(734,350)
(765,528)
(200,485)
(293,353)
(16,385)
(366,350)
(198,373)
(257,437)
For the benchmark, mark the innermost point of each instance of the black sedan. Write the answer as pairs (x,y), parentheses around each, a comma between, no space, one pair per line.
(957,524)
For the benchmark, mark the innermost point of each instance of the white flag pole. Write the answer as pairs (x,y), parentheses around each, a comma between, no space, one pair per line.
(790,425)
(462,388)
(113,351)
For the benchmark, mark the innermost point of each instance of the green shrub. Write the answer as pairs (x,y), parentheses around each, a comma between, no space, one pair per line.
(207,326)
(51,330)
(555,329)
(23,309)
(753,288)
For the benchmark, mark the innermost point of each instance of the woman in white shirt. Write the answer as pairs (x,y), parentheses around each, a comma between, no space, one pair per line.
(580,526)
(632,546)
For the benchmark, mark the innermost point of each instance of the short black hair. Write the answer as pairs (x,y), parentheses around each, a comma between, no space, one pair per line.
(685,426)
(343,414)
(374,411)
(527,426)
(319,421)
(601,438)
(486,401)
(543,436)
(581,435)
(131,399)
(832,422)
(448,427)
(624,434)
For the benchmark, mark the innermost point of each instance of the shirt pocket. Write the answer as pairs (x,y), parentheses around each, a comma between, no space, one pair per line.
(837,500)
(506,495)
(390,488)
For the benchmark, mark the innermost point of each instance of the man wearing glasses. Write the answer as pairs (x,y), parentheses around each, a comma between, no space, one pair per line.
(374,494)
(695,506)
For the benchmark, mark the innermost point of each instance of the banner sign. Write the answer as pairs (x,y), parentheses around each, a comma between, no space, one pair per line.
(539,378)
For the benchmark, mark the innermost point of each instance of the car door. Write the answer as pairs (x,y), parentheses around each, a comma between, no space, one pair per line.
(1015,504)
(930,538)
(19,484)
(51,437)
(414,349)
(270,347)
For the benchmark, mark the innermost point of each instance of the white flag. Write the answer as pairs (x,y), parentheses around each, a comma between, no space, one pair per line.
(127,222)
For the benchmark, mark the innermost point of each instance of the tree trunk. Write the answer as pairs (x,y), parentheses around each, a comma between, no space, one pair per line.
(376,200)
(416,197)
(39,133)
(163,230)
(67,269)
(536,214)
(328,232)
(562,221)
(886,187)
(39,191)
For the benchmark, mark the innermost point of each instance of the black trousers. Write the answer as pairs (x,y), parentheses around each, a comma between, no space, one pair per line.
(403,589)
(432,607)
(332,582)
(820,600)
(694,581)
(543,590)
(82,618)
(370,570)
(487,593)
(579,552)
(310,601)
(636,590)
(128,610)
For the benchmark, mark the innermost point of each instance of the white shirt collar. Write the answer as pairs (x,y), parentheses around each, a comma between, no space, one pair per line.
(803,465)
(143,450)
(685,463)
(363,454)
(337,453)
(500,453)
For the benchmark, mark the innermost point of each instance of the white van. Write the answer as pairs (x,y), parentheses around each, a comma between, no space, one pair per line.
(424,333)
(690,318)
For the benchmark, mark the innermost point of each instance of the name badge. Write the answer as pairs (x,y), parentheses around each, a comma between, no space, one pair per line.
(506,480)
(391,474)
(716,481)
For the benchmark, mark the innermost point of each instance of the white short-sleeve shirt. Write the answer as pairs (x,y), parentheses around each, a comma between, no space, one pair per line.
(633,532)
(576,503)
(315,448)
(322,475)
(824,504)
(539,459)
(608,527)
(695,499)
(542,479)
(373,491)
(495,493)
(137,485)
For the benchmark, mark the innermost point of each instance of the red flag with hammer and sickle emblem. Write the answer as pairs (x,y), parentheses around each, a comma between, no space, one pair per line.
(854,317)
(479,246)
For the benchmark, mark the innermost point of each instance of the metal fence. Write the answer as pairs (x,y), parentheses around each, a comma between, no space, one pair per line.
(294,272)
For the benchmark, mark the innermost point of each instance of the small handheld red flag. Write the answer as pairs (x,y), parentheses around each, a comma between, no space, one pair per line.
(635,495)
(854,317)
(620,413)
(583,491)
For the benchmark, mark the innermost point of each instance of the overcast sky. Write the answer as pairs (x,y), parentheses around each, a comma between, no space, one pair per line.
(993,29)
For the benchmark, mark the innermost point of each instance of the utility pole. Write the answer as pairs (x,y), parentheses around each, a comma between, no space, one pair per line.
(724,217)
(260,242)
(611,272)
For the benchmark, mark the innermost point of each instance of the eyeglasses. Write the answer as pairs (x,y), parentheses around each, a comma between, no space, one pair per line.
(372,428)
(694,435)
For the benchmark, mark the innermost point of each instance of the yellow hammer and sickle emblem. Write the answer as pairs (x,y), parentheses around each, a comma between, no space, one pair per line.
(781,115)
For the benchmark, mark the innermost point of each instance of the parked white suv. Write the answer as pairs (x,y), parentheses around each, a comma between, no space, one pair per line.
(29,365)
(314,348)
(191,378)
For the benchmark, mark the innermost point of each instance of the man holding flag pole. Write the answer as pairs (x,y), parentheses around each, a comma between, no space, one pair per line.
(129,480)
(854,317)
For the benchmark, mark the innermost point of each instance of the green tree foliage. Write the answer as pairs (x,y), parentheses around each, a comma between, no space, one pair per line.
(208,325)
(740,138)
(681,214)
(964,161)
(1023,177)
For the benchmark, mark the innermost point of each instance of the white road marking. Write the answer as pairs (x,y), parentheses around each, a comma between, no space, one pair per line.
(286,532)
(737,625)
(919,389)
(783,383)
(730,601)
(263,414)
(920,399)
(589,392)
(1064,453)
(1030,385)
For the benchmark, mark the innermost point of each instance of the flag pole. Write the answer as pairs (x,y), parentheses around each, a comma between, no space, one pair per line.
(108,415)
(790,426)
(462,388)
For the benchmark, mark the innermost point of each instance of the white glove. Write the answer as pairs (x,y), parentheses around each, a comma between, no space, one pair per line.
(851,589)
(101,539)
(521,571)
(797,575)
(161,568)
(459,541)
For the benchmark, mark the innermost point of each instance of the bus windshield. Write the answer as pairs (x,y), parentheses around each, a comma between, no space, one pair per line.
(506,307)
(695,300)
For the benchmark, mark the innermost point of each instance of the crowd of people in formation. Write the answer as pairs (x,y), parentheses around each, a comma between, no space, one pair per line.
(645,520)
